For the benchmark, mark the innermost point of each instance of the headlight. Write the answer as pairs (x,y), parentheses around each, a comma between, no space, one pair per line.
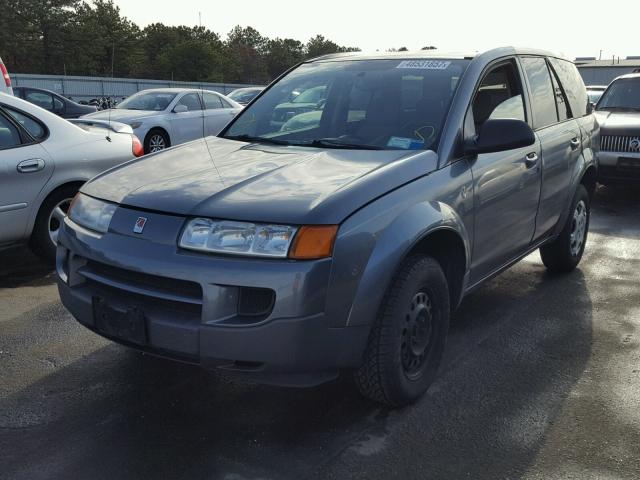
(91,213)
(239,238)
(135,125)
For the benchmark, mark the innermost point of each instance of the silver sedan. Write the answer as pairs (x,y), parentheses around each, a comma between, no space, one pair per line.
(44,160)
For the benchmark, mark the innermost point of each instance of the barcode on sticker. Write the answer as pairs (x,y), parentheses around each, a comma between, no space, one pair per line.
(424,64)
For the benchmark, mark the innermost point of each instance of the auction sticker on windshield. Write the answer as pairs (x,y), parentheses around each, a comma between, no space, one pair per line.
(424,64)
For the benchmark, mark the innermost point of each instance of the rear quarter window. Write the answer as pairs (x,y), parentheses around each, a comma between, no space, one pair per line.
(36,129)
(573,86)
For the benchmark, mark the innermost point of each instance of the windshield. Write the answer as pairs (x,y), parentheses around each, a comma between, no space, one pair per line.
(152,101)
(621,94)
(373,104)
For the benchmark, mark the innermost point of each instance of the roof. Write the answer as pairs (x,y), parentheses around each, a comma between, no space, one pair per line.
(608,63)
(432,54)
(628,75)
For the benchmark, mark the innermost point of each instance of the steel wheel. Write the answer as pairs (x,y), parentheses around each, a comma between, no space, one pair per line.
(416,335)
(157,143)
(578,228)
(56,217)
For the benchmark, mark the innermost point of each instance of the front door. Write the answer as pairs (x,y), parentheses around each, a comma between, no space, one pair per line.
(187,122)
(506,184)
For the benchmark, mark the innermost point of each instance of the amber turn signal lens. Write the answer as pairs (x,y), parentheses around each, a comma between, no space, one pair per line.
(314,242)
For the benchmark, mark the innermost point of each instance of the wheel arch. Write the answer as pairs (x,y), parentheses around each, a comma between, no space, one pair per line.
(45,195)
(157,128)
(589,179)
(432,228)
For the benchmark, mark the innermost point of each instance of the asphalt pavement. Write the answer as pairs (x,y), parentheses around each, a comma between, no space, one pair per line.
(541,380)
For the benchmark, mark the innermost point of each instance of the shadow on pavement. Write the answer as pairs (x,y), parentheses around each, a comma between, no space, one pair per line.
(18,267)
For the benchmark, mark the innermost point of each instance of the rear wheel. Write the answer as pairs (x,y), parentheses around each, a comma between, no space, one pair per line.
(407,341)
(155,141)
(565,253)
(44,238)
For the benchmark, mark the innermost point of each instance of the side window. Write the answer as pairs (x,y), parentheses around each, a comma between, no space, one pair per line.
(225,104)
(9,135)
(191,101)
(41,99)
(562,103)
(58,106)
(543,103)
(212,101)
(35,128)
(499,96)
(573,86)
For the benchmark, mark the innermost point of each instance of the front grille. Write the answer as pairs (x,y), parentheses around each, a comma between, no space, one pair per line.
(162,288)
(620,143)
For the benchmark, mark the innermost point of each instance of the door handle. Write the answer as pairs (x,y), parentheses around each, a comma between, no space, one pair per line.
(531,160)
(31,165)
(575,143)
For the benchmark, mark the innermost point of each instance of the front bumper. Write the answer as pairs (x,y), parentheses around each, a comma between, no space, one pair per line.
(192,303)
(619,167)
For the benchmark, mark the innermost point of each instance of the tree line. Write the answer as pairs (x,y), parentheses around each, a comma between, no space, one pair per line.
(73,37)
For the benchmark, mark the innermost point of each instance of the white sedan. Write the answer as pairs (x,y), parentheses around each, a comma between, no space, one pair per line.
(170,116)
(44,160)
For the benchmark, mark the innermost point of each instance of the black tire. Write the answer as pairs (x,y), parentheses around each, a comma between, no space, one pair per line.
(41,242)
(392,372)
(151,141)
(565,253)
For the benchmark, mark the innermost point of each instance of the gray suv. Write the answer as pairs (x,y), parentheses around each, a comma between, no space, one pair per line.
(346,242)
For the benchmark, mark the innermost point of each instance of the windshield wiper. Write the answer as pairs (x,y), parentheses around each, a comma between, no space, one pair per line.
(336,143)
(250,138)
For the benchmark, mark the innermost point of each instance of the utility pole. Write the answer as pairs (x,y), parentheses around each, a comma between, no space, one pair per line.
(600,56)
(113,54)
(200,19)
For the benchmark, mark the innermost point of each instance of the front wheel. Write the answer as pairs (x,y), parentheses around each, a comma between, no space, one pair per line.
(44,238)
(155,141)
(565,253)
(407,341)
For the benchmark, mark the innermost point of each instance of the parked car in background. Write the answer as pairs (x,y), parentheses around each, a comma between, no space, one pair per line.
(171,116)
(286,256)
(5,82)
(595,92)
(244,95)
(618,113)
(44,159)
(53,102)
(307,98)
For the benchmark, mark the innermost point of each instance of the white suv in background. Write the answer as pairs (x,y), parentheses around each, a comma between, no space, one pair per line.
(5,83)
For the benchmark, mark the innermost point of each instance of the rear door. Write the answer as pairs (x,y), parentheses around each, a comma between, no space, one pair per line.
(560,140)
(25,168)
(187,125)
(217,113)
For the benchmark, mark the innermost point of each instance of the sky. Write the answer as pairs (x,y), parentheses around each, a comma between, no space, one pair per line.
(568,27)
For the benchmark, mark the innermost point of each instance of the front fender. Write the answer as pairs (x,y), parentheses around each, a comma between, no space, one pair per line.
(372,243)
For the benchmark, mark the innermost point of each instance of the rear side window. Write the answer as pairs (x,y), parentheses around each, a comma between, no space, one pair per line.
(41,99)
(573,86)
(9,135)
(212,101)
(543,103)
(35,128)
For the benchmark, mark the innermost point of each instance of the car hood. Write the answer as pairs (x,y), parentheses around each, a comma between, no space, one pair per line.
(618,123)
(215,177)
(121,115)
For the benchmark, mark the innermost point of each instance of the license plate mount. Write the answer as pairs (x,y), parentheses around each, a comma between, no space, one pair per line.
(128,324)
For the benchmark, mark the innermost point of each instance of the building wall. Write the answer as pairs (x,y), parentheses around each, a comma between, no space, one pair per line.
(603,75)
(86,88)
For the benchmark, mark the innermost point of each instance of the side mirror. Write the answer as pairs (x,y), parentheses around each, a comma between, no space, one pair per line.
(180,109)
(500,135)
